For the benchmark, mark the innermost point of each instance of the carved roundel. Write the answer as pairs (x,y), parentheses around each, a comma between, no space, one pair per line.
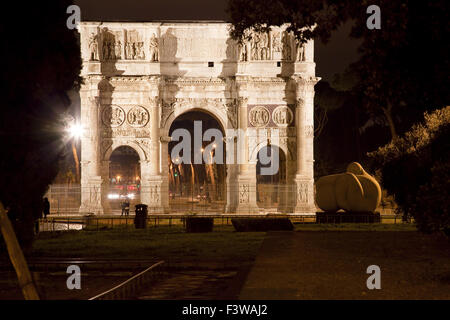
(259,116)
(282,116)
(137,117)
(113,116)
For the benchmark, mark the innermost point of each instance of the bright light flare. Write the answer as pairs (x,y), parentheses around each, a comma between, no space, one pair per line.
(75,130)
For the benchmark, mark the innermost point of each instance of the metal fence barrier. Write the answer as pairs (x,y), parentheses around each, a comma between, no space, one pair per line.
(58,223)
(197,199)
(130,287)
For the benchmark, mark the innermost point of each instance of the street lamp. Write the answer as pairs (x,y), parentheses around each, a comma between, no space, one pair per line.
(75,131)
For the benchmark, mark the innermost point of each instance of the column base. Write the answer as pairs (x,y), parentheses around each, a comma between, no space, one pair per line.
(304,196)
(91,196)
(154,195)
(246,195)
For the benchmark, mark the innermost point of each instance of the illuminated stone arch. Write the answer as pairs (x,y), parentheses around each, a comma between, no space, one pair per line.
(119,143)
(218,115)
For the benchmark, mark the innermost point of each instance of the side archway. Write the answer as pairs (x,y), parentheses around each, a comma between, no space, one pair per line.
(271,185)
(122,175)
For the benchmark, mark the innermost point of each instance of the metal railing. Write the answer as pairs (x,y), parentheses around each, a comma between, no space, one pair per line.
(198,199)
(168,220)
(128,288)
(64,199)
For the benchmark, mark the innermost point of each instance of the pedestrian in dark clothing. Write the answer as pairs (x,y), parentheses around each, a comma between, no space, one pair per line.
(46,208)
(125,208)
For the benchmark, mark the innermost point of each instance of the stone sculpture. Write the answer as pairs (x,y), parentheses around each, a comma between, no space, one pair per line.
(154,48)
(300,52)
(353,191)
(286,40)
(93,47)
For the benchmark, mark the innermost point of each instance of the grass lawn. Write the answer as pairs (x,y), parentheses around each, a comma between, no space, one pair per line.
(173,243)
(414,265)
(168,243)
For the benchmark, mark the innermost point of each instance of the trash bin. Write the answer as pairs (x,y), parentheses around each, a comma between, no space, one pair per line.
(140,218)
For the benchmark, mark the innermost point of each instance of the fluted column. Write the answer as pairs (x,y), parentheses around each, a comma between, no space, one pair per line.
(246,179)
(91,180)
(153,186)
(304,122)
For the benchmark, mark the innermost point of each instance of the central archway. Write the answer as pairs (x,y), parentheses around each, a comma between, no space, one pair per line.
(197,174)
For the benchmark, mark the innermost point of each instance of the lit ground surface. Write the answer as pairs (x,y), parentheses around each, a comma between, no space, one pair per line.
(166,243)
(52,285)
(315,262)
(203,264)
(332,265)
(191,285)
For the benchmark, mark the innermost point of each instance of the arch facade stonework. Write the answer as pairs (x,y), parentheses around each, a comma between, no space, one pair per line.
(158,71)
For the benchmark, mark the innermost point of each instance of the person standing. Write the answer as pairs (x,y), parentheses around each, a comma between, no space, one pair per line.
(123,205)
(46,208)
(127,207)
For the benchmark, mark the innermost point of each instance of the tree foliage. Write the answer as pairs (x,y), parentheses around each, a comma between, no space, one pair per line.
(416,171)
(403,67)
(41,63)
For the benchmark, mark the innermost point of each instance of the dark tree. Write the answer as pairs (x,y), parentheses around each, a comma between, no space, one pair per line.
(416,171)
(41,62)
(403,69)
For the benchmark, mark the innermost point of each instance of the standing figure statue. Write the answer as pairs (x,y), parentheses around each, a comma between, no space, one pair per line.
(141,51)
(276,45)
(133,51)
(286,40)
(154,48)
(118,49)
(243,51)
(256,47)
(265,46)
(300,51)
(93,47)
(105,53)
(129,51)
(112,54)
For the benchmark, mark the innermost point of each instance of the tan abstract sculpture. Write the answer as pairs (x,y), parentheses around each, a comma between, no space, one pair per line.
(354,190)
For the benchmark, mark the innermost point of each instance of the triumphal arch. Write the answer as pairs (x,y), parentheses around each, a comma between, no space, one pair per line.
(140,77)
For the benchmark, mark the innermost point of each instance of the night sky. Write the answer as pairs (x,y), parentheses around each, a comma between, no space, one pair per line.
(331,58)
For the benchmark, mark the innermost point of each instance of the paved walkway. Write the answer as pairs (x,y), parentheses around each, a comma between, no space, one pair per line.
(332,265)
(189,285)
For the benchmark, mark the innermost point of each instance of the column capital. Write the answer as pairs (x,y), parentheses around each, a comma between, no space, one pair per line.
(300,103)
(165,139)
(242,101)
(301,79)
(154,101)
(95,100)
(229,139)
